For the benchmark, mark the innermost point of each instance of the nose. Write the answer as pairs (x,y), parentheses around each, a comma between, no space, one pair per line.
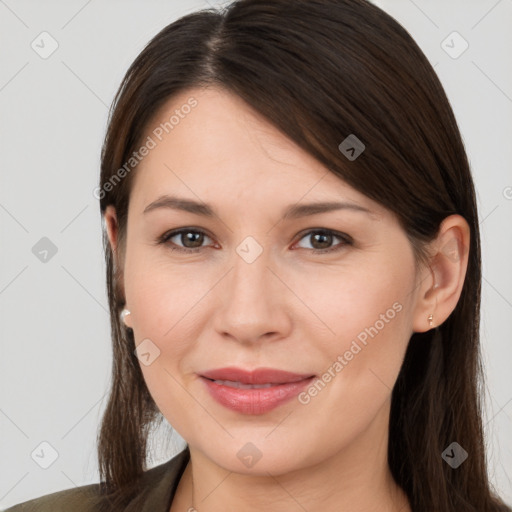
(255,302)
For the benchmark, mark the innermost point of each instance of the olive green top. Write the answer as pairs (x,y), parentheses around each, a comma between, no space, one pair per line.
(158,491)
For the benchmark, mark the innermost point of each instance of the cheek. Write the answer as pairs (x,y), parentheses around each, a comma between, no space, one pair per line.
(163,296)
(165,309)
(375,292)
(371,314)
(374,308)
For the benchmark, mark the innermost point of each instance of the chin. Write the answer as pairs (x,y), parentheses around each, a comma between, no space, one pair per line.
(261,457)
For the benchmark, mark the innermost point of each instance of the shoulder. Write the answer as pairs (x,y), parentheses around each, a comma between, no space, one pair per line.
(158,482)
(81,499)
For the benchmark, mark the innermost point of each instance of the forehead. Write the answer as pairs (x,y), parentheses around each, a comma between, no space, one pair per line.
(209,143)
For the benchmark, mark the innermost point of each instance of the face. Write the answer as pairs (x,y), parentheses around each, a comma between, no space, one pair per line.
(328,296)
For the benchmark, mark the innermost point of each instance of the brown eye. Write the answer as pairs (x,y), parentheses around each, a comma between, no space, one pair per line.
(321,240)
(194,238)
(186,240)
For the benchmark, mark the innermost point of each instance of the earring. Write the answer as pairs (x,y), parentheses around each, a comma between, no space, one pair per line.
(123,314)
(430,319)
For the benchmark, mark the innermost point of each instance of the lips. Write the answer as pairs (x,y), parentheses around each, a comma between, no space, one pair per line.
(253,392)
(259,376)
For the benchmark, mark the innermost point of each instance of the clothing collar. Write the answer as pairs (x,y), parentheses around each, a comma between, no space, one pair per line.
(160,484)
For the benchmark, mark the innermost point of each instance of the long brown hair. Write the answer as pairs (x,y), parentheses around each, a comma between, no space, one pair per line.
(320,70)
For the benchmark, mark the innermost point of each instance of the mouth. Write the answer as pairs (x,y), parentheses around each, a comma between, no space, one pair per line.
(241,385)
(258,376)
(254,392)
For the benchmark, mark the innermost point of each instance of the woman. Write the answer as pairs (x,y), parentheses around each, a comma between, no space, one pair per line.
(293,270)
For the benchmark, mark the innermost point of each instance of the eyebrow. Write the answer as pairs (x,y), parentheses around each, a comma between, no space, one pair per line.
(294,211)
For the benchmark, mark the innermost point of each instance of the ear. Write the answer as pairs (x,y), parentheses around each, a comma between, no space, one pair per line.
(441,288)
(112,228)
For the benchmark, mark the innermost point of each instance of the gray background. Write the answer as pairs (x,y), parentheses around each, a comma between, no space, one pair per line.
(54,327)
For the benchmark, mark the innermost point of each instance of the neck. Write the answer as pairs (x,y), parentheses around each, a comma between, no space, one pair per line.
(357,478)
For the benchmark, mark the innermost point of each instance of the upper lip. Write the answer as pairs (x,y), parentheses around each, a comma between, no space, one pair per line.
(256,376)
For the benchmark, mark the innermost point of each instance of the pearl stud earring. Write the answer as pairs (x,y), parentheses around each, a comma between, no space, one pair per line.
(124,314)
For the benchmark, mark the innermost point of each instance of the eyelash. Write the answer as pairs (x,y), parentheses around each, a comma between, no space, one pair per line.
(347,240)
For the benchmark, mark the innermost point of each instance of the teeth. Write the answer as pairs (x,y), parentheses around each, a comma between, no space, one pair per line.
(239,385)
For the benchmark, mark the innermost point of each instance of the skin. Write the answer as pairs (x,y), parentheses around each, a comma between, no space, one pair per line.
(290,309)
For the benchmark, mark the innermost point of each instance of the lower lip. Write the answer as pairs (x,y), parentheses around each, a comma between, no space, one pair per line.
(255,401)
